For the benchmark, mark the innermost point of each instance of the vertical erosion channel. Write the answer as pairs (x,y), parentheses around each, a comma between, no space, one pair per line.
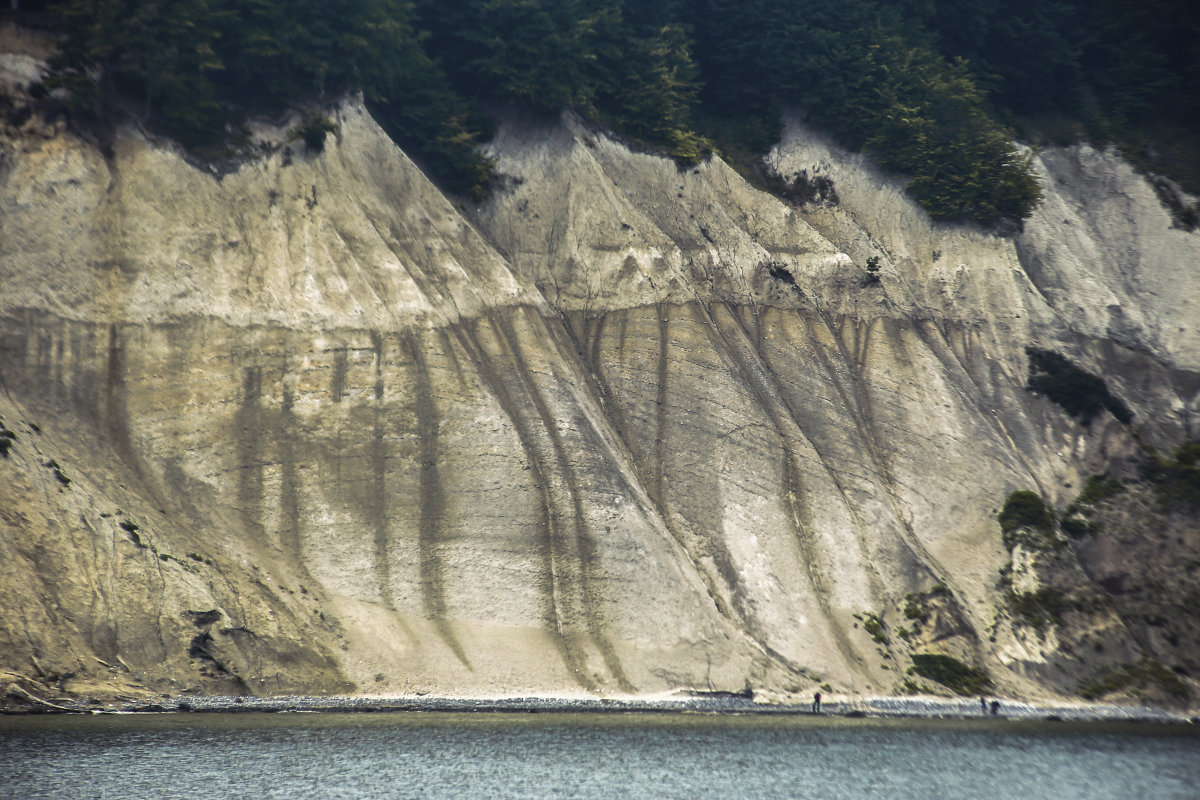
(247,423)
(377,497)
(585,550)
(761,383)
(660,426)
(289,495)
(433,590)
(114,396)
(547,529)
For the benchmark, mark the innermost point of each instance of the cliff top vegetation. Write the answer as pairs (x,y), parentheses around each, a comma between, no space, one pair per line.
(923,86)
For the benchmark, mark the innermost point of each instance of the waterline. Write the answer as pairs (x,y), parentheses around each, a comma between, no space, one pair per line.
(421,755)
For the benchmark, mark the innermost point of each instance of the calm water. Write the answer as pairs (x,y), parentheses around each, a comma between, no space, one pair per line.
(296,756)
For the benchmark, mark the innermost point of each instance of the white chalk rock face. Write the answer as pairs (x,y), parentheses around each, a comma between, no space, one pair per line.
(307,425)
(322,378)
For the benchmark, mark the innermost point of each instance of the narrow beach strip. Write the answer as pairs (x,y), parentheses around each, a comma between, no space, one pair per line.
(717,703)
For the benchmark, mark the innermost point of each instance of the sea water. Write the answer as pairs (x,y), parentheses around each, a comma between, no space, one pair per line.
(432,755)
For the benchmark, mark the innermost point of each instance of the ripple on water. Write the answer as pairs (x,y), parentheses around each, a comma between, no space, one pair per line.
(589,756)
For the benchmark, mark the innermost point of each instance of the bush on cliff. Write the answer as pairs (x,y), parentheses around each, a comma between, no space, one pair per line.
(1080,393)
(1176,478)
(1028,521)
(951,673)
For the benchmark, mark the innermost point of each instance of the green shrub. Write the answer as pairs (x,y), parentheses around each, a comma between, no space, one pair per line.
(1188,454)
(1024,508)
(1041,607)
(1077,527)
(951,673)
(874,626)
(312,133)
(1146,672)
(1074,522)
(914,608)
(687,147)
(1099,487)
(1176,478)
(1080,393)
(7,438)
(1027,520)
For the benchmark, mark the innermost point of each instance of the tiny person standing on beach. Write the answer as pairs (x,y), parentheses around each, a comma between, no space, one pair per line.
(816,706)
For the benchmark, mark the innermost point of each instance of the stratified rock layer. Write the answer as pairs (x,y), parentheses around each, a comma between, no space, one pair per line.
(308,426)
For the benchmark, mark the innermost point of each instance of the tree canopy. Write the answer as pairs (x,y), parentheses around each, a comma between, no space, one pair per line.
(921,85)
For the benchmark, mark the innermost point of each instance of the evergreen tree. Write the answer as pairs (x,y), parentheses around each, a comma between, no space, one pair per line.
(917,83)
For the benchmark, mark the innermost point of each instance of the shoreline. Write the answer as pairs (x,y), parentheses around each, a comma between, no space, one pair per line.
(921,707)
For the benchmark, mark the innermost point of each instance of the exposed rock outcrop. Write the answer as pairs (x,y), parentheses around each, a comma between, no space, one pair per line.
(624,428)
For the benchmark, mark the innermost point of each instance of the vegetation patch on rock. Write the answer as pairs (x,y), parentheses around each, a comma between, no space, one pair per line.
(956,676)
(1146,673)
(1076,521)
(1028,521)
(313,132)
(1098,488)
(873,625)
(7,438)
(1080,393)
(1175,478)
(1040,607)
(800,189)
(916,608)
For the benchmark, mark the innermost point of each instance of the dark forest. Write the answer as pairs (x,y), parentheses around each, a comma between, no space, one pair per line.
(933,90)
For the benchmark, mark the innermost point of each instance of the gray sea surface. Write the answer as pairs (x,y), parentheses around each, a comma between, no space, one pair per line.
(589,755)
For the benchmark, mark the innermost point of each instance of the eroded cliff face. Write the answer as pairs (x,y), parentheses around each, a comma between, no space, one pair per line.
(309,426)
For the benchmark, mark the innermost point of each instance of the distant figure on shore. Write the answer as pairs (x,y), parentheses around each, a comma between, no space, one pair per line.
(816,706)
(983,704)
(995,707)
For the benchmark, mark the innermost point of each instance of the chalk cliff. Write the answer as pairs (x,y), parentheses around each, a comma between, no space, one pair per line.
(304,424)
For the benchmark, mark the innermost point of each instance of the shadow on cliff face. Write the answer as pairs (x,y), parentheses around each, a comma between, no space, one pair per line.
(200,649)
